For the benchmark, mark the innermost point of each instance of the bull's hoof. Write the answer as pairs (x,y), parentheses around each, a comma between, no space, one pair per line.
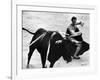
(44,67)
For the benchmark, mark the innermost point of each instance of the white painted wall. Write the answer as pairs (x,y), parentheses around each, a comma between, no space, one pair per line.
(5,40)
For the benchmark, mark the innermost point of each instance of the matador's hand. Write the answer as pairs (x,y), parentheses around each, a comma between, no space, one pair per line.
(82,24)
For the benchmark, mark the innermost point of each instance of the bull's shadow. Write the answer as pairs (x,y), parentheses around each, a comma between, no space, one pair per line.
(46,44)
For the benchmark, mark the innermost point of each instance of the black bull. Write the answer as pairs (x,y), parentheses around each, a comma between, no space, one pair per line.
(49,49)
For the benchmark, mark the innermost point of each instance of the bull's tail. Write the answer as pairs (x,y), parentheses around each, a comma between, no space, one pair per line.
(28,31)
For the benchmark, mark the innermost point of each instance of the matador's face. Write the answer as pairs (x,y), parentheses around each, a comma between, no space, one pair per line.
(74,21)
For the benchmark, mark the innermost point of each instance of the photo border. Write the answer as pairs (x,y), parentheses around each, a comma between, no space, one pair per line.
(14,75)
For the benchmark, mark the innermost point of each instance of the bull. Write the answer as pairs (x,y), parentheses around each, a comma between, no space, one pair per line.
(51,46)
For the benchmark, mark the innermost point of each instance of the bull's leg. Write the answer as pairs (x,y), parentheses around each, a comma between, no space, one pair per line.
(31,49)
(51,64)
(43,59)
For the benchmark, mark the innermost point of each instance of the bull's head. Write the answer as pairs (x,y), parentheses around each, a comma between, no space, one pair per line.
(66,49)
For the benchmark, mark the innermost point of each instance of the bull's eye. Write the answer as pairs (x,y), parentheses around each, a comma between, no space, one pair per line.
(58,42)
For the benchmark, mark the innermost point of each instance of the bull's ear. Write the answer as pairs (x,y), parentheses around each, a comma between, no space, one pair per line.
(58,42)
